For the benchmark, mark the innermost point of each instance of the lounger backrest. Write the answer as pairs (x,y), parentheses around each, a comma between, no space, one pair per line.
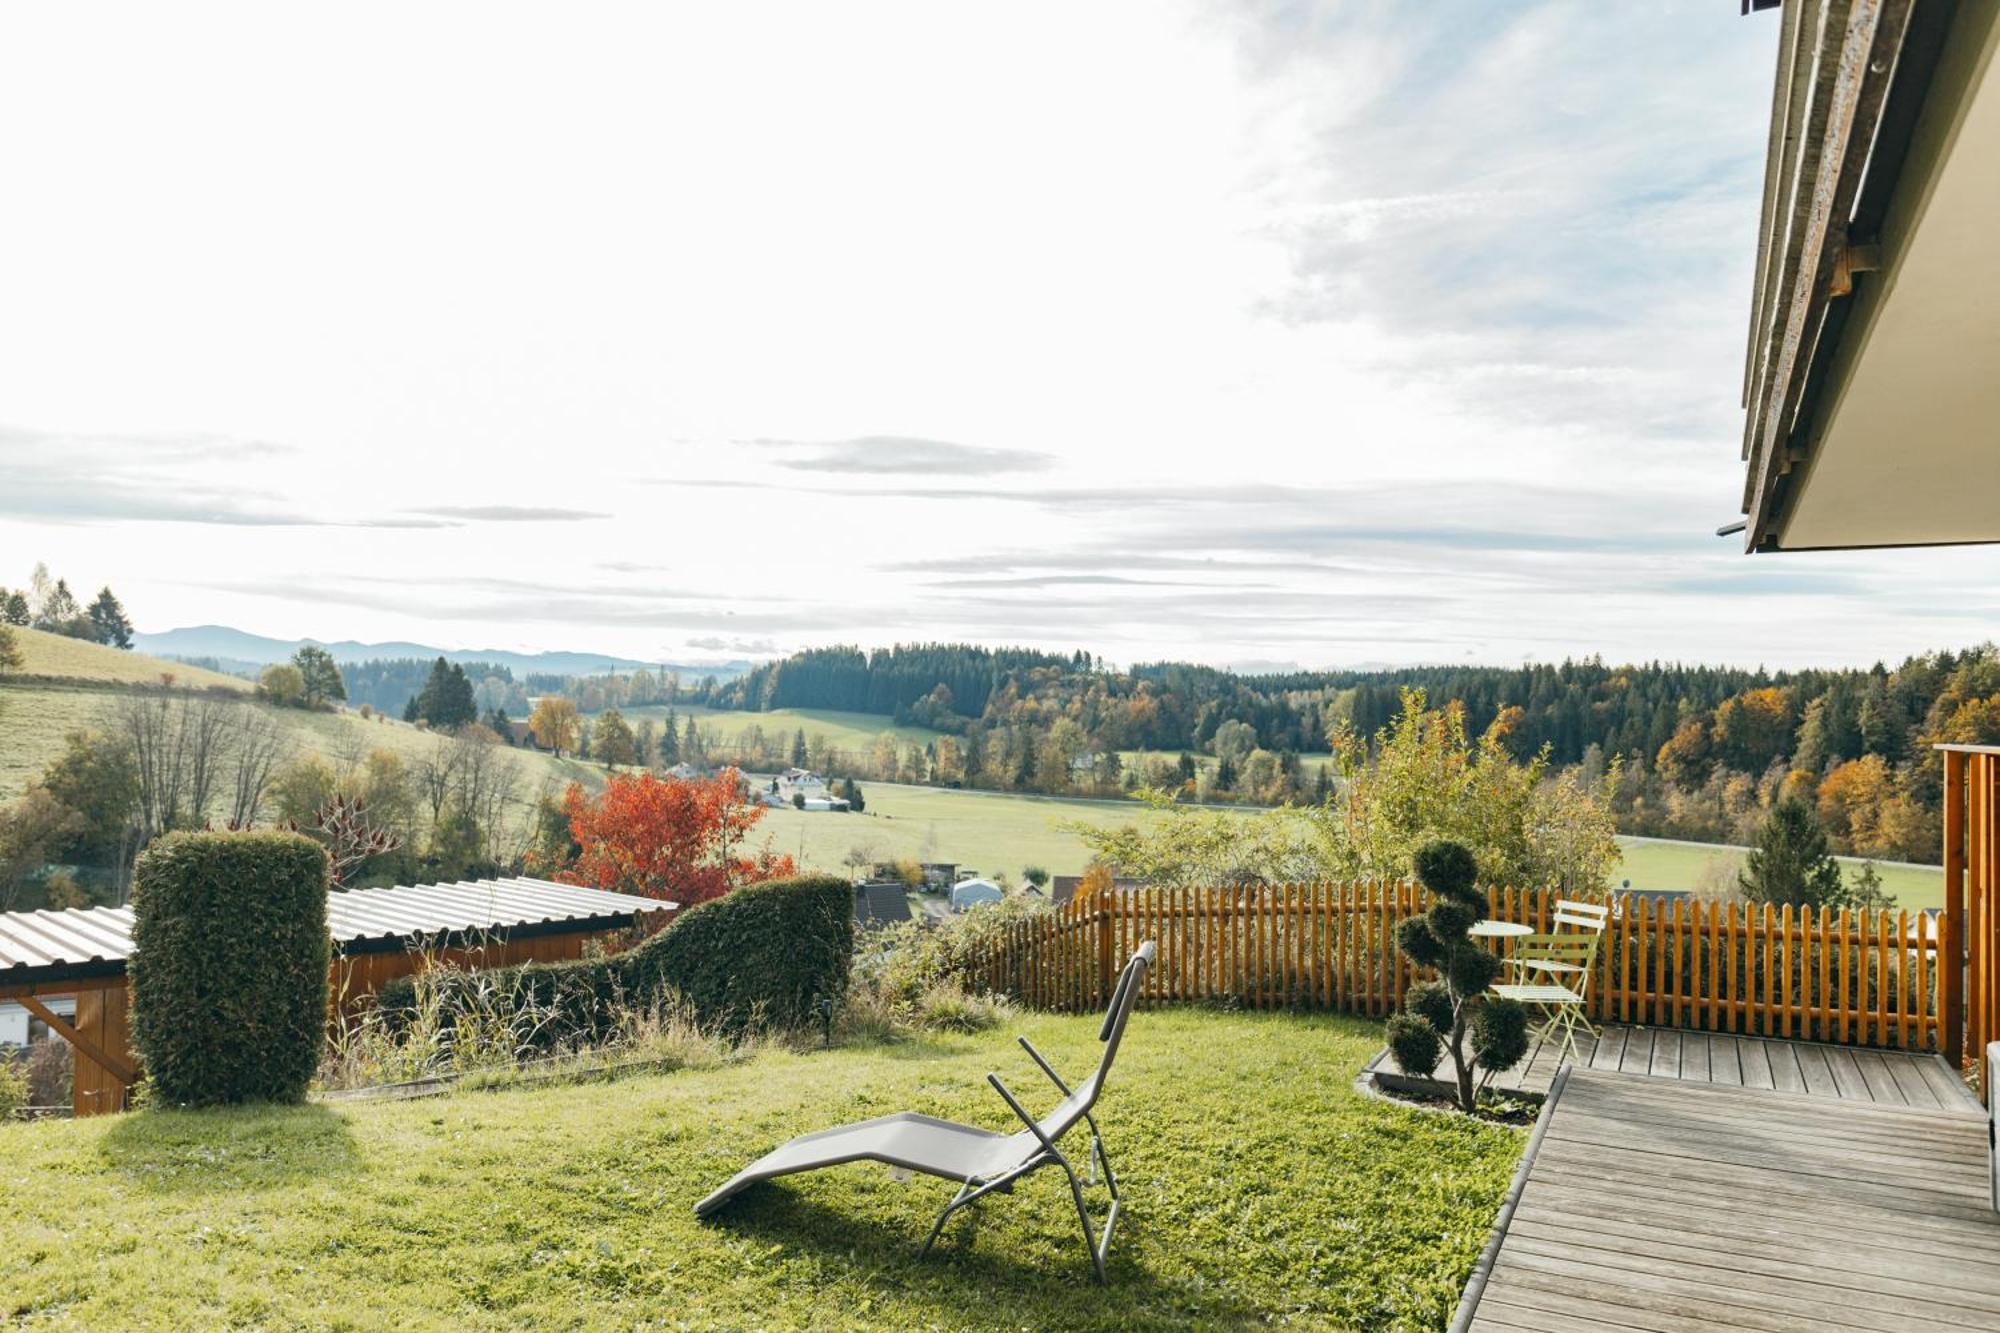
(1124,996)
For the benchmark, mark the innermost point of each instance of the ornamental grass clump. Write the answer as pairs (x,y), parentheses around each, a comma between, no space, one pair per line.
(1453,1015)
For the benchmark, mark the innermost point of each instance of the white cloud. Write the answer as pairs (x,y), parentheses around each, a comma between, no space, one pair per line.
(1293,333)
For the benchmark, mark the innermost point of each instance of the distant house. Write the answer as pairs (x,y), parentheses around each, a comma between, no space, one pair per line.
(684,771)
(939,876)
(18,1027)
(880,903)
(801,789)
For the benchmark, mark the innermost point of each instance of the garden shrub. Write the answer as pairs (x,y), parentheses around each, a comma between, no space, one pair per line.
(13,1086)
(229,966)
(761,956)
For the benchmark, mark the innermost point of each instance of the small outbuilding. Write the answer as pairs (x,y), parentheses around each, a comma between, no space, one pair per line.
(969,893)
(378,935)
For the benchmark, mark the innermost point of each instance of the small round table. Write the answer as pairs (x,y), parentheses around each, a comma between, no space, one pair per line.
(1499,930)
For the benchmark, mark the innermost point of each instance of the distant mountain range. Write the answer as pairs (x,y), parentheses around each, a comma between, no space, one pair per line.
(240,651)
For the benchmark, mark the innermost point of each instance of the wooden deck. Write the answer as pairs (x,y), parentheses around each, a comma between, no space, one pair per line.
(1687,1204)
(1839,1073)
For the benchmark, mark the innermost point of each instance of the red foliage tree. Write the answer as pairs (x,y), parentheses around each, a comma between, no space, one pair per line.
(680,840)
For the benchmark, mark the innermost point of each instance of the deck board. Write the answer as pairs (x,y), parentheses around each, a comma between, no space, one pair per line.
(1809,1069)
(1678,1204)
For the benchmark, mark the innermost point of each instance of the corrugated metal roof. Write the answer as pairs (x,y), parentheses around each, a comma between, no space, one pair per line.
(94,939)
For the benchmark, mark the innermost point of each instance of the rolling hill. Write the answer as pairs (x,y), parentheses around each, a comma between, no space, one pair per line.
(238,648)
(67,685)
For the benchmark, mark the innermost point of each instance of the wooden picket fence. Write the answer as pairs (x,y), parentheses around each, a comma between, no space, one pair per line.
(1857,978)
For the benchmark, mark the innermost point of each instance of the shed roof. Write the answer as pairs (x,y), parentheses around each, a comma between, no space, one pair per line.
(42,947)
(881,904)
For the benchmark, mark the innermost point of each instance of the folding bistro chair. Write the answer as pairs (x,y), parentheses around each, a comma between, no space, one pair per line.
(1552,972)
(980,1160)
(1568,955)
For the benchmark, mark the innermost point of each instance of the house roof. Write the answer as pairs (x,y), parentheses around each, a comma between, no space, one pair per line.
(1868,385)
(80,943)
(881,904)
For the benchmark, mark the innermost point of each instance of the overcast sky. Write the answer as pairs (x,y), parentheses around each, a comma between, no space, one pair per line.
(1303,334)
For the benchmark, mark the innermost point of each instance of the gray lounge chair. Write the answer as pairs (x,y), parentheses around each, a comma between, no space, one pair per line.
(979,1159)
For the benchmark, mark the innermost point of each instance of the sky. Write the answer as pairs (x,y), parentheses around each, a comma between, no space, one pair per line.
(1291,334)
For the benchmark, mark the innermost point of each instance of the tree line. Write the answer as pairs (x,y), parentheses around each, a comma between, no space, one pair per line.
(1693,751)
(48,604)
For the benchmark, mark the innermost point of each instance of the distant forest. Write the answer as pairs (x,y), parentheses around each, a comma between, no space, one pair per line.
(1686,751)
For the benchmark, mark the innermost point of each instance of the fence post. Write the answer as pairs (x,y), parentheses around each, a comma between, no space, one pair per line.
(1103,956)
(1951,920)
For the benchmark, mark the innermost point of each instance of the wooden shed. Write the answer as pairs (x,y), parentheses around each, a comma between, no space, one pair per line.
(378,935)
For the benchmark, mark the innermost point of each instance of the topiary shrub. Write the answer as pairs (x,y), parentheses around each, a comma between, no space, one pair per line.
(759,956)
(229,966)
(1441,1017)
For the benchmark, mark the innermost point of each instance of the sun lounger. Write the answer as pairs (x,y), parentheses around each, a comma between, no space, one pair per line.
(981,1160)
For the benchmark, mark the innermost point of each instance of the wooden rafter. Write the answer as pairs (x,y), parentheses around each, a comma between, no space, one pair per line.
(122,1068)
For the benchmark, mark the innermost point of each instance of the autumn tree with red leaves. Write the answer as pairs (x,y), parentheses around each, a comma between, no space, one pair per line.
(680,840)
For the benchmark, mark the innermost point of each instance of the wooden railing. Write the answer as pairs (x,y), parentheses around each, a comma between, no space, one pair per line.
(1860,978)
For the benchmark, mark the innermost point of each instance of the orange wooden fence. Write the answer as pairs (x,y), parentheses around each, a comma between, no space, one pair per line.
(1859,978)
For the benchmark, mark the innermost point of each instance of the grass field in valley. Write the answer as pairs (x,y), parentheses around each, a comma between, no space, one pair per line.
(843,731)
(1305,1204)
(1001,832)
(984,832)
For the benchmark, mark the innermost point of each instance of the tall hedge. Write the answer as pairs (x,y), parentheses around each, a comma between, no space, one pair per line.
(759,956)
(229,966)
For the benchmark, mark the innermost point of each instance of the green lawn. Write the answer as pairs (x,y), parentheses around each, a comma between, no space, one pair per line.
(1653,864)
(1259,1189)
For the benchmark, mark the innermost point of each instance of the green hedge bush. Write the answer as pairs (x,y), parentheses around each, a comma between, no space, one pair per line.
(759,956)
(229,966)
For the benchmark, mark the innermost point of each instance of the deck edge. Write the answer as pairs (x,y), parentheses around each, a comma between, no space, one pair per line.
(1482,1268)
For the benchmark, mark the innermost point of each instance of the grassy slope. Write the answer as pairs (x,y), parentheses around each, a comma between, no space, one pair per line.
(53,656)
(34,718)
(843,731)
(1258,1188)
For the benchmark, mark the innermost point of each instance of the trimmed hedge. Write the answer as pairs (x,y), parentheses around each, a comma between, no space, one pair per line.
(757,957)
(229,966)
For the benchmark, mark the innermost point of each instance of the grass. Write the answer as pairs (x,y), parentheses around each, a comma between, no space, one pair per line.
(986,832)
(1659,864)
(853,732)
(56,657)
(1259,1188)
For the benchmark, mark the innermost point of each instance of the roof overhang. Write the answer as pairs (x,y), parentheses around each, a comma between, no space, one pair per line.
(1872,382)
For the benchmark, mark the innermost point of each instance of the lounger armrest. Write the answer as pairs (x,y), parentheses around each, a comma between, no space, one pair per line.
(1020,1110)
(1036,1056)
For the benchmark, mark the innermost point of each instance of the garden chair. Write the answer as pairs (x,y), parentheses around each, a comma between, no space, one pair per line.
(1567,956)
(980,1160)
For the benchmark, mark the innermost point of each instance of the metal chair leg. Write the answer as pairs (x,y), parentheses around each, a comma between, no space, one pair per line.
(1083,1220)
(957,1201)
